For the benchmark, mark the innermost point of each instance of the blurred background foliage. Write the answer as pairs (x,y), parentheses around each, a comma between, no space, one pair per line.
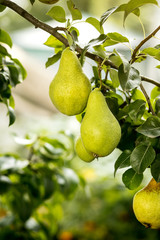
(46,191)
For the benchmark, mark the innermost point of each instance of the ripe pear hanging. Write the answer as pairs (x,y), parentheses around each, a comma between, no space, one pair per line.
(146,205)
(70,88)
(82,152)
(100,130)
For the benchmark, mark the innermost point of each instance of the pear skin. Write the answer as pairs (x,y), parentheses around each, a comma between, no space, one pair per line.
(70,88)
(100,130)
(146,205)
(82,152)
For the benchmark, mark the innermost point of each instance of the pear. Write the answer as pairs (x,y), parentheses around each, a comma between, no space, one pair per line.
(70,88)
(146,205)
(82,152)
(100,130)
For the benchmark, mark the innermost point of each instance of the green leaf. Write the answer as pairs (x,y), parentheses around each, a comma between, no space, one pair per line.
(53,59)
(155,168)
(101,39)
(150,128)
(130,79)
(75,12)
(5,38)
(2,8)
(117,37)
(14,75)
(53,42)
(153,52)
(22,69)
(136,109)
(108,42)
(57,13)
(155,92)
(4,52)
(122,161)
(131,179)
(142,157)
(137,94)
(133,4)
(158,66)
(11,114)
(114,77)
(106,15)
(95,23)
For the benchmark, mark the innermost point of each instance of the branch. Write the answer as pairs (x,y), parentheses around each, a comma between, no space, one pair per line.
(54,31)
(147,99)
(133,59)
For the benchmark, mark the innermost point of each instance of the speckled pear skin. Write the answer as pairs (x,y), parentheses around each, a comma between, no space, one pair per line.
(100,130)
(70,88)
(146,205)
(82,152)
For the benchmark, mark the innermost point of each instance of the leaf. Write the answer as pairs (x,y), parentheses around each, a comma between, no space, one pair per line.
(14,75)
(57,13)
(136,109)
(142,157)
(117,37)
(114,77)
(155,92)
(131,179)
(155,168)
(2,8)
(4,52)
(133,4)
(5,38)
(95,23)
(11,114)
(22,69)
(122,161)
(53,42)
(53,59)
(106,15)
(93,42)
(125,63)
(153,52)
(150,128)
(130,79)
(137,94)
(75,12)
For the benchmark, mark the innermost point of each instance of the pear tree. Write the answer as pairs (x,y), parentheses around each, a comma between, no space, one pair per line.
(127,115)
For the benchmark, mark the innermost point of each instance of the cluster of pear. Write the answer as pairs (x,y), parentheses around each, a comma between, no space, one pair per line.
(146,205)
(70,92)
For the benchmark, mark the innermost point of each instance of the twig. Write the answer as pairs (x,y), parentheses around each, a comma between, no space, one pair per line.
(147,99)
(133,59)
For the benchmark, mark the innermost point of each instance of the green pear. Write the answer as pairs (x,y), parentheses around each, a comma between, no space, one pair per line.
(100,130)
(70,88)
(82,152)
(146,205)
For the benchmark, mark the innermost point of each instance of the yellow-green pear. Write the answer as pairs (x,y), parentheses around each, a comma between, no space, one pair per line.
(100,130)
(82,152)
(70,88)
(146,205)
